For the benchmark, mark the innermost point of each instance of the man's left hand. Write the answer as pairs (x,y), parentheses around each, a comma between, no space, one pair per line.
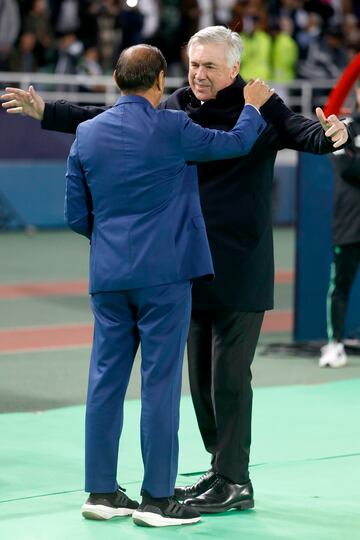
(333,127)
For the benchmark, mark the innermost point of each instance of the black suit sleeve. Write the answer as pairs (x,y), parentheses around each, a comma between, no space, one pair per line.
(64,116)
(294,130)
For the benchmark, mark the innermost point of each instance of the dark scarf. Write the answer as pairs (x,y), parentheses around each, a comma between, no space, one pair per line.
(221,112)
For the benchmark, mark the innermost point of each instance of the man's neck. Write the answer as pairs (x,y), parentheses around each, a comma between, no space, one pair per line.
(149,95)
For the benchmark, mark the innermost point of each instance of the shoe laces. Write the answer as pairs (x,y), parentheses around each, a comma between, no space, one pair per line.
(202,477)
(218,483)
(120,495)
(189,490)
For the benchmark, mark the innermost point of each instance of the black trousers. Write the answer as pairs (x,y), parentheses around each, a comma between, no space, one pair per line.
(221,348)
(343,272)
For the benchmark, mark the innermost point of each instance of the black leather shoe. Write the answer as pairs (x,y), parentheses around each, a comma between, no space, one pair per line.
(222,496)
(203,484)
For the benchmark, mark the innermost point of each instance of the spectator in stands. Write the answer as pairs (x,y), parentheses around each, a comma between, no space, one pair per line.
(311,33)
(352,33)
(256,61)
(150,11)
(65,16)
(88,31)
(69,53)
(284,52)
(105,13)
(175,28)
(9,30)
(295,10)
(111,25)
(284,56)
(37,23)
(131,22)
(346,243)
(89,65)
(22,58)
(327,57)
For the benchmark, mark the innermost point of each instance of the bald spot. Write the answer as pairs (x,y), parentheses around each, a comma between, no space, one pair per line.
(138,68)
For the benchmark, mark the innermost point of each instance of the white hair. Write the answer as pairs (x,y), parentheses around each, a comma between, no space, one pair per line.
(220,36)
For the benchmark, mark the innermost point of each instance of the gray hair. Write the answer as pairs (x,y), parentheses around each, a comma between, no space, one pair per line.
(220,36)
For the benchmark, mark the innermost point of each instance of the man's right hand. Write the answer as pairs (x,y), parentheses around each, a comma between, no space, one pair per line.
(257,93)
(18,101)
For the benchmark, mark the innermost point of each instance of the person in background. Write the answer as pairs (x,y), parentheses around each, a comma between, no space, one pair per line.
(70,49)
(23,58)
(326,57)
(37,22)
(346,243)
(89,65)
(284,54)
(256,60)
(9,30)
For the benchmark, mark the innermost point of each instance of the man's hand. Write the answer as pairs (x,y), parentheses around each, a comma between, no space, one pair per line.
(257,93)
(18,101)
(333,127)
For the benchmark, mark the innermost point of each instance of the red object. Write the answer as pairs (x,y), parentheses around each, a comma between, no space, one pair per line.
(346,82)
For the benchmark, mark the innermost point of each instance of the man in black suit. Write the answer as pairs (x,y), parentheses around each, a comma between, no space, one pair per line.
(236,202)
(346,243)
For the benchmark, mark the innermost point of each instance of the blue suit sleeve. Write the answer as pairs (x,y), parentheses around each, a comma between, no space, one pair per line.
(78,201)
(202,144)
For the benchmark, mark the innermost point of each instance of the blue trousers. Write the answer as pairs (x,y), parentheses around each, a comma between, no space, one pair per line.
(157,318)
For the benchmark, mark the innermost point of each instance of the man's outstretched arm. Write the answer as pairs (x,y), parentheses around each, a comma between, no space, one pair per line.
(57,115)
(300,133)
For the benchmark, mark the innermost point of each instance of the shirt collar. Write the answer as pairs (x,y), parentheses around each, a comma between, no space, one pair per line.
(132,99)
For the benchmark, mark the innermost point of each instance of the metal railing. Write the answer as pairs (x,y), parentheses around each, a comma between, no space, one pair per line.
(301,95)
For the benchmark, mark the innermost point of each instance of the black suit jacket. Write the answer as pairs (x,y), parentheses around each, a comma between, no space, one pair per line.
(235,194)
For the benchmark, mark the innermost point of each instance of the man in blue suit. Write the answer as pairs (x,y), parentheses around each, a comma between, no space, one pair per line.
(130,191)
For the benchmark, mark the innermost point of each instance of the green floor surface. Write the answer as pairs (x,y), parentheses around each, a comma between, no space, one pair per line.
(305,468)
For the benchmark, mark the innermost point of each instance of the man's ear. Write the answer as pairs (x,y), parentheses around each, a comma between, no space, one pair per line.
(235,70)
(160,81)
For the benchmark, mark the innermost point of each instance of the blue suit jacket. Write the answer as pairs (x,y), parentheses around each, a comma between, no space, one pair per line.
(131,192)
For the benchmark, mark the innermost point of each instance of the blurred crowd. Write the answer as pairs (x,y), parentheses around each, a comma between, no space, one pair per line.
(284,39)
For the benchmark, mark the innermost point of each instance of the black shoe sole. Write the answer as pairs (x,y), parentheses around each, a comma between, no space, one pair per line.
(243,505)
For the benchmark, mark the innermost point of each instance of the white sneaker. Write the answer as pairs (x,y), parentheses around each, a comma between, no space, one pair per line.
(333,355)
(163,512)
(108,505)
